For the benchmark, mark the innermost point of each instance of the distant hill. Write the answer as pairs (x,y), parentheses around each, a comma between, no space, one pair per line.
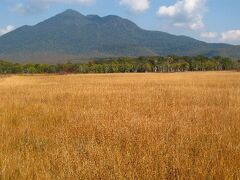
(73,36)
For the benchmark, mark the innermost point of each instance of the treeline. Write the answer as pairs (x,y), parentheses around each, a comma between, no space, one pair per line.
(121,65)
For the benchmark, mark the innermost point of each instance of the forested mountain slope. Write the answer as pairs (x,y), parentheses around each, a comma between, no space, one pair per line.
(73,36)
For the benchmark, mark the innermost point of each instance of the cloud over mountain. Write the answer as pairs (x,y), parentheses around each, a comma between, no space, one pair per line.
(37,6)
(136,5)
(230,36)
(6,29)
(185,13)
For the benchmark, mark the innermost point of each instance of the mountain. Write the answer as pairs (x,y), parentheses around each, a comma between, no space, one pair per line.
(73,36)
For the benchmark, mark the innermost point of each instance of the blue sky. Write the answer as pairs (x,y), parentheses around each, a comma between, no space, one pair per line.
(207,20)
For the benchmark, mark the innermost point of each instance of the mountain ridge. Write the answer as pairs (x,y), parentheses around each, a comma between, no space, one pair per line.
(71,35)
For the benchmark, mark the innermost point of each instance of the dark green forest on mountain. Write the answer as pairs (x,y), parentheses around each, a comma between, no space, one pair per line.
(71,35)
(127,65)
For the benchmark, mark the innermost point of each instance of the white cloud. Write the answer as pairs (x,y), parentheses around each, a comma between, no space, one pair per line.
(36,6)
(6,29)
(231,36)
(136,5)
(209,35)
(32,7)
(185,13)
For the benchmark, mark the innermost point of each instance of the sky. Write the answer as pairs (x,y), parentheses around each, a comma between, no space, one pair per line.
(206,20)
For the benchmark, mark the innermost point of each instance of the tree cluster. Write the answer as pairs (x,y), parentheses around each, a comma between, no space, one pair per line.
(127,65)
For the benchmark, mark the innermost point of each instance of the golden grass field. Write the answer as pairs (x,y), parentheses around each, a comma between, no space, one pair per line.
(120,126)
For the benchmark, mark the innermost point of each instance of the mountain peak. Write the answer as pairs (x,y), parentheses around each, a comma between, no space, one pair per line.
(68,17)
(71,12)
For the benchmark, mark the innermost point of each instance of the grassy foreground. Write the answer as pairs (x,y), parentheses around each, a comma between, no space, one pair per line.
(120,126)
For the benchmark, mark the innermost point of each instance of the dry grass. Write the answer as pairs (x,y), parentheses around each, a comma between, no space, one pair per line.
(121,126)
